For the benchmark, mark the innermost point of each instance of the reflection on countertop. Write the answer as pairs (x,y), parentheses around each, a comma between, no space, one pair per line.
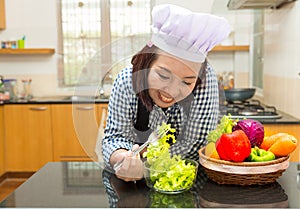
(271,195)
(89,184)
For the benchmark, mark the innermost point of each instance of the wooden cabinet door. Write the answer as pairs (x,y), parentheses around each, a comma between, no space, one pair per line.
(286,128)
(2,168)
(102,114)
(2,15)
(75,130)
(28,136)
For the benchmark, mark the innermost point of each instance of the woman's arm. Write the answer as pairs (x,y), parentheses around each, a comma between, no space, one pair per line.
(119,135)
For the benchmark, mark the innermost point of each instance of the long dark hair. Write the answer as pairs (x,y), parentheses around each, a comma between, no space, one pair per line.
(141,63)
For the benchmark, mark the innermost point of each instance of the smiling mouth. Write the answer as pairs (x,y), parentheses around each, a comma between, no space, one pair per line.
(164,98)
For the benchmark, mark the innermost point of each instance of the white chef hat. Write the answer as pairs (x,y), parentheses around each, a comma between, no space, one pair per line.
(186,34)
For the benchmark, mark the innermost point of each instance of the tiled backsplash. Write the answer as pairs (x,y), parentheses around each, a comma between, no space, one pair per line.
(279,92)
(42,84)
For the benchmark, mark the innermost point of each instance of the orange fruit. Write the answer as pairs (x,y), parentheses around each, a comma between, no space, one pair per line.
(211,151)
(270,140)
(284,145)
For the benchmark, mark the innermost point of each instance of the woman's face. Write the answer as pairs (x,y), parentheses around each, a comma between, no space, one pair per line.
(171,79)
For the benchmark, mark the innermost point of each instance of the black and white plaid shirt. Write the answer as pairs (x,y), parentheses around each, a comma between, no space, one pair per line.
(192,124)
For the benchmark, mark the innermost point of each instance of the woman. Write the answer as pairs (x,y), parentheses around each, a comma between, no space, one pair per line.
(169,81)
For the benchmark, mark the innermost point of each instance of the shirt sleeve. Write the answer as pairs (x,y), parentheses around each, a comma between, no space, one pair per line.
(122,107)
(203,117)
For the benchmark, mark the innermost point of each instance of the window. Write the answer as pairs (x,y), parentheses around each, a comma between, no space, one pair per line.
(98,37)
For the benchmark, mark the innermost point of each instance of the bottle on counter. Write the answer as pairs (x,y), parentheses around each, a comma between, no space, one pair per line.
(4,94)
(1,88)
(26,93)
(227,80)
(231,80)
(10,86)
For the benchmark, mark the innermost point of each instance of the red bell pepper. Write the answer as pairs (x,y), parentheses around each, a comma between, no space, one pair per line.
(234,146)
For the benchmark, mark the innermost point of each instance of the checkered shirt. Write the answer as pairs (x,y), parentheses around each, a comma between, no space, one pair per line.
(192,124)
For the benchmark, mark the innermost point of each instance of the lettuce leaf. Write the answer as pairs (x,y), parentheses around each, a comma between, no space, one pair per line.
(168,173)
(225,126)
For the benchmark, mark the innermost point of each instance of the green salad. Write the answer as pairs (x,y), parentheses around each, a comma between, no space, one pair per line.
(168,173)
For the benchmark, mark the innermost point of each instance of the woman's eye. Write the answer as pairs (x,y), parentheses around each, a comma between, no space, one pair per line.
(163,77)
(187,83)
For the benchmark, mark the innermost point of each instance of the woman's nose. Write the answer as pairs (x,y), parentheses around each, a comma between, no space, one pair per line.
(173,88)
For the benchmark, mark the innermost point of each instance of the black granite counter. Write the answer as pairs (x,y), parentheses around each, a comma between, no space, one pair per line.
(89,185)
(59,100)
(285,118)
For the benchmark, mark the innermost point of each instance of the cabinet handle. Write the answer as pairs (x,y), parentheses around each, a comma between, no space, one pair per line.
(85,108)
(38,108)
(75,156)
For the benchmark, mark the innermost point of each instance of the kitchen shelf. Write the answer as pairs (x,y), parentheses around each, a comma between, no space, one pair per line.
(27,51)
(32,51)
(221,48)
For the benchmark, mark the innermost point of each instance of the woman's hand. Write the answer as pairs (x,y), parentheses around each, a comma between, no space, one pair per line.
(132,167)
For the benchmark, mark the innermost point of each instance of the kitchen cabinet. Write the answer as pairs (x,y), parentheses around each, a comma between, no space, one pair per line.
(102,113)
(287,128)
(28,136)
(75,131)
(2,15)
(2,168)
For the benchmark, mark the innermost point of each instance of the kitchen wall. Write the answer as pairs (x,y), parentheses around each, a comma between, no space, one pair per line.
(282,59)
(241,22)
(37,20)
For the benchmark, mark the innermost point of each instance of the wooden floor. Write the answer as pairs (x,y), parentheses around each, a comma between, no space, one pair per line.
(9,185)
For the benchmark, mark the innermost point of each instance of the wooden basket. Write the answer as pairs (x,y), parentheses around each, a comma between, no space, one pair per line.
(243,173)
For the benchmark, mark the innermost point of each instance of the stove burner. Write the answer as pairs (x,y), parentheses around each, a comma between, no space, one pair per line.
(251,109)
(248,112)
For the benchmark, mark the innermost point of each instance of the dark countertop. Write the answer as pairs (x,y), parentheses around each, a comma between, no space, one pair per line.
(285,119)
(59,100)
(89,185)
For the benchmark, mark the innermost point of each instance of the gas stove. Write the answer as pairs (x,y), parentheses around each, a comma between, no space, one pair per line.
(251,109)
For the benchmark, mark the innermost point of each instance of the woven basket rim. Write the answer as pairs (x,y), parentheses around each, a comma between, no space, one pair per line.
(244,164)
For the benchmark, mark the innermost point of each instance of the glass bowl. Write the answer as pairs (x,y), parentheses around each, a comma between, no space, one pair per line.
(172,180)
